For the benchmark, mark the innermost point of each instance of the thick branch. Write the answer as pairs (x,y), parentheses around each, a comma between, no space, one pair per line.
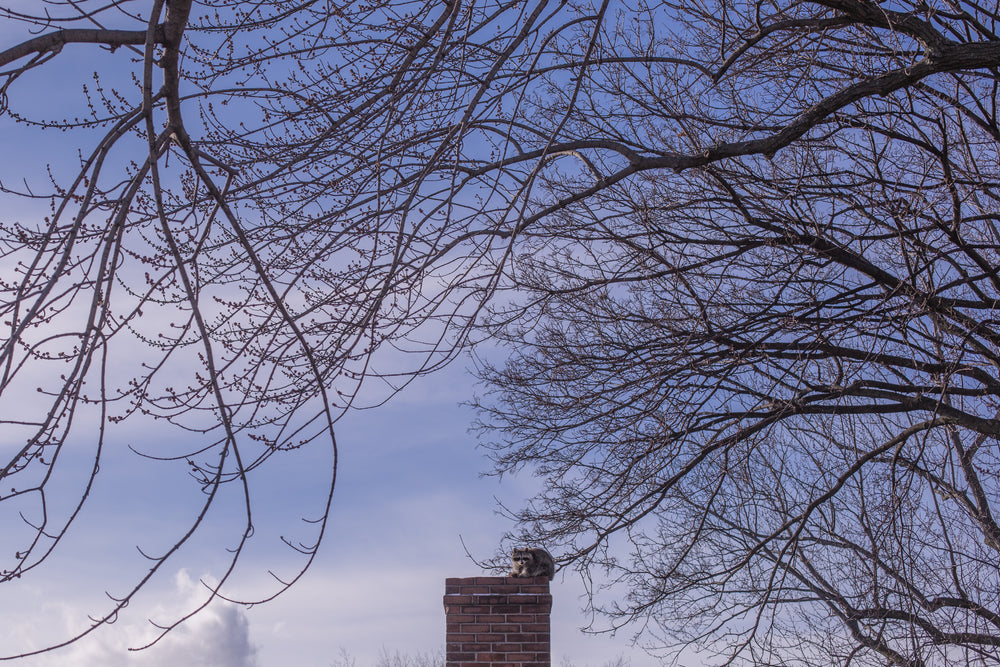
(173,31)
(54,41)
(951,58)
(871,14)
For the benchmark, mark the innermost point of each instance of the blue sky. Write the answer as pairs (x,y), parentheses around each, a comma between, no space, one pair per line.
(409,493)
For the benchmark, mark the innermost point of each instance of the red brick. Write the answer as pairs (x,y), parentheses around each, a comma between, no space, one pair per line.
(537,647)
(508,648)
(490,657)
(475,627)
(506,608)
(534,627)
(506,588)
(523,618)
(526,598)
(492,619)
(534,589)
(457,619)
(475,609)
(476,648)
(458,599)
(493,599)
(506,627)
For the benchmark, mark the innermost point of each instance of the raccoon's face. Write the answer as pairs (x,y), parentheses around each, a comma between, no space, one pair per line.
(521,557)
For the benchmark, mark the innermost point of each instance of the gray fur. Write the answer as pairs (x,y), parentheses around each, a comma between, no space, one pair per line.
(532,563)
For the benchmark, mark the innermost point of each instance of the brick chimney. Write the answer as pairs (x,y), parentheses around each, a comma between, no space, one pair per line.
(497,621)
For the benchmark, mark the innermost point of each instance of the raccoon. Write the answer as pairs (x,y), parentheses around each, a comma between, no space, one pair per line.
(532,563)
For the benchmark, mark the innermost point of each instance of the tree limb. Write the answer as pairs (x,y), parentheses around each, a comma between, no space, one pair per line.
(54,41)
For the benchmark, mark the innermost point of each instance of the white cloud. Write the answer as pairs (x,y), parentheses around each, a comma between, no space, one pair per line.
(219,636)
